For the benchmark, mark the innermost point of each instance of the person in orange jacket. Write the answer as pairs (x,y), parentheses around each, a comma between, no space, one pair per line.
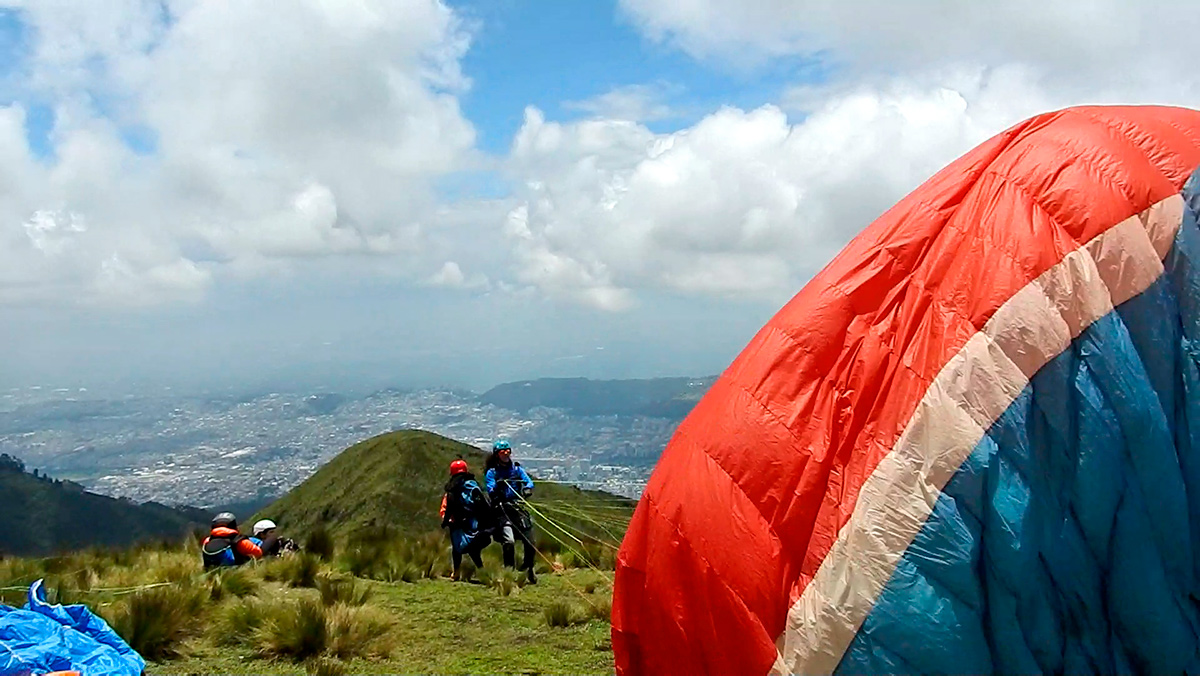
(225,546)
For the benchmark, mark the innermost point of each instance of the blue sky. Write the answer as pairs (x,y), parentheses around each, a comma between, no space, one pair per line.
(548,53)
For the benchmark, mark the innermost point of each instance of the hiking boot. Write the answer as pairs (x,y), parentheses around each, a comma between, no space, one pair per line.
(532,577)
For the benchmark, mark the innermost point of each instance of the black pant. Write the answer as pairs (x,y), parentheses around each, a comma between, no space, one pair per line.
(516,524)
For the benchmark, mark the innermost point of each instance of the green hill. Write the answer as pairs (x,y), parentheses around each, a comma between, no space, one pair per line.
(45,516)
(395,481)
(655,397)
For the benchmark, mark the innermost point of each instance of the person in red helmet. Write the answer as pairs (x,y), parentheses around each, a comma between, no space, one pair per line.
(464,510)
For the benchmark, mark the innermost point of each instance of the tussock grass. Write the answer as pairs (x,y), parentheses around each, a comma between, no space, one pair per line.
(559,613)
(237,582)
(320,543)
(154,622)
(323,666)
(297,570)
(295,630)
(236,623)
(362,631)
(600,608)
(347,591)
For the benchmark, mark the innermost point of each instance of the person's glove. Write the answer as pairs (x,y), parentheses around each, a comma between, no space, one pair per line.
(526,491)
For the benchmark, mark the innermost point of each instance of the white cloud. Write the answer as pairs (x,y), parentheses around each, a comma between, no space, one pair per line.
(750,203)
(1081,38)
(280,134)
(635,103)
(451,276)
(745,203)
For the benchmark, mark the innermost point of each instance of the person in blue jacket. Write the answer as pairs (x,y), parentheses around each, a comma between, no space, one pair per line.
(508,485)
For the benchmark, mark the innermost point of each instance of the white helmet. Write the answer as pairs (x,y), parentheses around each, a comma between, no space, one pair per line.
(263,526)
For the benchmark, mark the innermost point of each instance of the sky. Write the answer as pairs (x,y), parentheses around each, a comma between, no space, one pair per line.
(352,194)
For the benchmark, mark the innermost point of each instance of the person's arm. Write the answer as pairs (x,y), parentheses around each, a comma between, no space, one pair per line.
(525,480)
(248,548)
(489,481)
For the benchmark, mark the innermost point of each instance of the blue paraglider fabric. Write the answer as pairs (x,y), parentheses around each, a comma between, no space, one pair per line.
(42,637)
(1069,541)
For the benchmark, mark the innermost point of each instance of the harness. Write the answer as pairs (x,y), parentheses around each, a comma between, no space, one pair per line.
(221,550)
(466,503)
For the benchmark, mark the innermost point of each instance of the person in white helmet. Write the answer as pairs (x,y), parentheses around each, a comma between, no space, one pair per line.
(270,542)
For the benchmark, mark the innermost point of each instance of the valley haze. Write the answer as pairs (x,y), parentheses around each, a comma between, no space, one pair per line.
(212,450)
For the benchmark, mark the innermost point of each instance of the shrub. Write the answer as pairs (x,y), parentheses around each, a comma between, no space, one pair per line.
(346,591)
(155,621)
(559,613)
(320,543)
(294,630)
(360,632)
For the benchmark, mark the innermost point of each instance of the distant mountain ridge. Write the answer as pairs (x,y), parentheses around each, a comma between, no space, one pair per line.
(45,516)
(654,397)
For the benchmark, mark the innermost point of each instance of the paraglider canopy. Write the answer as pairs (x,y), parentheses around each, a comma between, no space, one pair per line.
(969,444)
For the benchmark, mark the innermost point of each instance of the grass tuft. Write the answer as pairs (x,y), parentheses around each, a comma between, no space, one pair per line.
(154,622)
(323,666)
(237,622)
(296,630)
(347,591)
(559,613)
(360,632)
(320,543)
(236,582)
(601,608)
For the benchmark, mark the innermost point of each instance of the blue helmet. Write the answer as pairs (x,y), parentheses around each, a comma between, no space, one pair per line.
(500,445)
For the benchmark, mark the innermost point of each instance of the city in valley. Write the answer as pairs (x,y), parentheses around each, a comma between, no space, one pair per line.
(207,451)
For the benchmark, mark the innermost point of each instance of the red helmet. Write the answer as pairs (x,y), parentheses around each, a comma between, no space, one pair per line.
(458,467)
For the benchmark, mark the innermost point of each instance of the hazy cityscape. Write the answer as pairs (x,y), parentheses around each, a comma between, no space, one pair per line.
(206,451)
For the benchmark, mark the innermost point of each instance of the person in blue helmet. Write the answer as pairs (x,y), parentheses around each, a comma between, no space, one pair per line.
(508,485)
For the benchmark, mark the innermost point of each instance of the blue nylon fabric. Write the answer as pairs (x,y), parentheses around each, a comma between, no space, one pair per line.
(41,638)
(1069,540)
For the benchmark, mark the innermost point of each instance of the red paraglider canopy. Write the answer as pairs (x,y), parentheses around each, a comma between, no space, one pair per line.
(740,522)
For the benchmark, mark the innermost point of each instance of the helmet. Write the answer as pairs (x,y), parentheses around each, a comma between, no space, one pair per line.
(225,520)
(501,445)
(458,466)
(263,526)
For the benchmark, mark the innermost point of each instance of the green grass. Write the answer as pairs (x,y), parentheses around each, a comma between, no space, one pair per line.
(454,627)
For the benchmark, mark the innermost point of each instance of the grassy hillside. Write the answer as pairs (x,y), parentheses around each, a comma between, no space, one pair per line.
(656,397)
(44,516)
(394,482)
(298,614)
(375,597)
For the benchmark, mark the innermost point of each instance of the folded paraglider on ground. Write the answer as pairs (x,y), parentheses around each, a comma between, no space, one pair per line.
(43,638)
